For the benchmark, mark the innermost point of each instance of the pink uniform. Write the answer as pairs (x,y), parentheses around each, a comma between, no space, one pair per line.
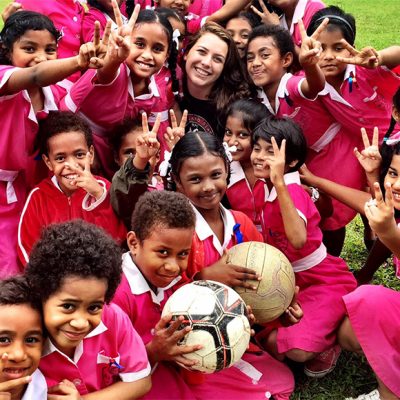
(244,198)
(330,148)
(199,10)
(305,9)
(19,170)
(322,278)
(94,365)
(47,204)
(116,101)
(374,316)
(256,376)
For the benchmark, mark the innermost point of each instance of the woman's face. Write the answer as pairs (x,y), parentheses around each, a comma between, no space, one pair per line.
(205,62)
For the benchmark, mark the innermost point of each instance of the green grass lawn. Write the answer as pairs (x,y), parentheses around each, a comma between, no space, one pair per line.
(377,26)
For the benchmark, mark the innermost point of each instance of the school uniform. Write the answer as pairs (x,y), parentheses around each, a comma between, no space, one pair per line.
(47,204)
(374,315)
(322,278)
(37,387)
(198,12)
(19,170)
(112,352)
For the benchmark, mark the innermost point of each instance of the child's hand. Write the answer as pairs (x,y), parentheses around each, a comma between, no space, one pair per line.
(10,10)
(293,314)
(368,57)
(310,49)
(7,386)
(277,162)
(380,211)
(85,179)
(175,132)
(164,345)
(65,390)
(369,158)
(229,274)
(307,176)
(267,17)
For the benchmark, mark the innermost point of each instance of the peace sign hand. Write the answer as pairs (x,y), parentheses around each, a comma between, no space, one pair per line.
(369,158)
(368,57)
(85,179)
(175,132)
(266,16)
(277,162)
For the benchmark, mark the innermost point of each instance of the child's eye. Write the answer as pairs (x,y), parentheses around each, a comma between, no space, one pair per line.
(5,340)
(158,49)
(194,179)
(184,254)
(139,44)
(81,155)
(51,50)
(250,57)
(95,308)
(163,252)
(32,340)
(68,307)
(228,132)
(59,158)
(244,35)
(129,152)
(244,135)
(264,56)
(216,175)
(29,49)
(338,48)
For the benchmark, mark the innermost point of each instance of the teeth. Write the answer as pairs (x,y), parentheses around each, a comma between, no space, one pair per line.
(14,370)
(71,177)
(144,65)
(202,72)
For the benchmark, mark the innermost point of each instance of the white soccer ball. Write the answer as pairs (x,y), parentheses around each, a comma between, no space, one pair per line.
(218,318)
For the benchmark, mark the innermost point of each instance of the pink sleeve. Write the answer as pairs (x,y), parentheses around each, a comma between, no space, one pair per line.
(126,300)
(301,201)
(89,18)
(133,355)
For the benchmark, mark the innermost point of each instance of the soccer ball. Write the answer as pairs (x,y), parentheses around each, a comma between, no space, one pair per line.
(218,318)
(276,289)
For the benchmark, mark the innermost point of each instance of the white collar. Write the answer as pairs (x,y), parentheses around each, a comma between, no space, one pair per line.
(49,103)
(153,89)
(37,388)
(280,93)
(237,173)
(204,231)
(291,177)
(137,281)
(49,347)
(297,15)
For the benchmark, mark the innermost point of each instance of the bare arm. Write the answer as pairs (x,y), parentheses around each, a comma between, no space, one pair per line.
(228,10)
(122,390)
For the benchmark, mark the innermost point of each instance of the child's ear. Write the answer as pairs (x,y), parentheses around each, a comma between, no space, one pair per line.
(91,151)
(287,60)
(47,162)
(132,241)
(395,114)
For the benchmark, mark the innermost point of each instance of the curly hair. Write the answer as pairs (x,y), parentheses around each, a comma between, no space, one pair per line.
(161,208)
(60,122)
(16,290)
(73,249)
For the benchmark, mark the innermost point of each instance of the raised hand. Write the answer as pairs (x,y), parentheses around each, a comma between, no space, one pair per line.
(307,176)
(10,10)
(370,158)
(175,132)
(267,17)
(277,162)
(164,345)
(368,57)
(65,390)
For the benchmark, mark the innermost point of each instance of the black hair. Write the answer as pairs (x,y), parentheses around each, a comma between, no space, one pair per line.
(73,249)
(282,38)
(60,122)
(15,291)
(161,209)
(195,144)
(251,112)
(284,128)
(16,26)
(338,19)
(253,19)
(97,4)
(170,13)
(121,130)
(150,16)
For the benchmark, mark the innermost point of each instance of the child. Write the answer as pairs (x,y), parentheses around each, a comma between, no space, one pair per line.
(290,223)
(66,145)
(21,342)
(74,271)
(28,55)
(163,224)
(245,192)
(126,87)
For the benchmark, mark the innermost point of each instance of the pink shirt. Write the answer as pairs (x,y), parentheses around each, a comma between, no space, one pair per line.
(199,10)
(305,9)
(91,368)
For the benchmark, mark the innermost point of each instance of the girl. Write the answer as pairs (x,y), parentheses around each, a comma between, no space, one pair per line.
(213,78)
(74,271)
(126,85)
(290,223)
(28,65)
(245,192)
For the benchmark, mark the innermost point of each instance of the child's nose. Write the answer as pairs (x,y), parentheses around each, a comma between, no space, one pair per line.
(17,353)
(40,57)
(79,322)
(171,266)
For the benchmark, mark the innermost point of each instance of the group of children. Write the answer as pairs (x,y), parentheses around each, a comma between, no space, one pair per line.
(205,138)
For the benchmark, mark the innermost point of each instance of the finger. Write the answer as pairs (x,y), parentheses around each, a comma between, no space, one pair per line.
(389,195)
(365,138)
(189,349)
(375,137)
(322,26)
(74,168)
(359,156)
(353,51)
(184,119)
(275,146)
(302,29)
(14,383)
(174,326)
(134,16)
(163,322)
(157,123)
(243,270)
(145,124)
(96,34)
(378,193)
(106,34)
(243,284)
(87,162)
(256,11)
(263,7)
(174,123)
(117,13)
(185,362)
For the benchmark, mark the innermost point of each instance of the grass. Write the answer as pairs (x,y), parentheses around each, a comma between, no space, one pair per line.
(377,26)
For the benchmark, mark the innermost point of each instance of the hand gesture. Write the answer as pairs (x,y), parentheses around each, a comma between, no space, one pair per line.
(10,10)
(277,162)
(164,345)
(307,176)
(380,211)
(369,158)
(65,390)
(293,314)
(7,386)
(310,49)
(147,145)
(266,16)
(175,132)
(85,179)
(230,274)
(368,57)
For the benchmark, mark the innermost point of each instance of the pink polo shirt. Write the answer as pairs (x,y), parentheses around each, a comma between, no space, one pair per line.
(114,339)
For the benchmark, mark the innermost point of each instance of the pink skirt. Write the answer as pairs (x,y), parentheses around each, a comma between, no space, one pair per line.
(321,290)
(374,313)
